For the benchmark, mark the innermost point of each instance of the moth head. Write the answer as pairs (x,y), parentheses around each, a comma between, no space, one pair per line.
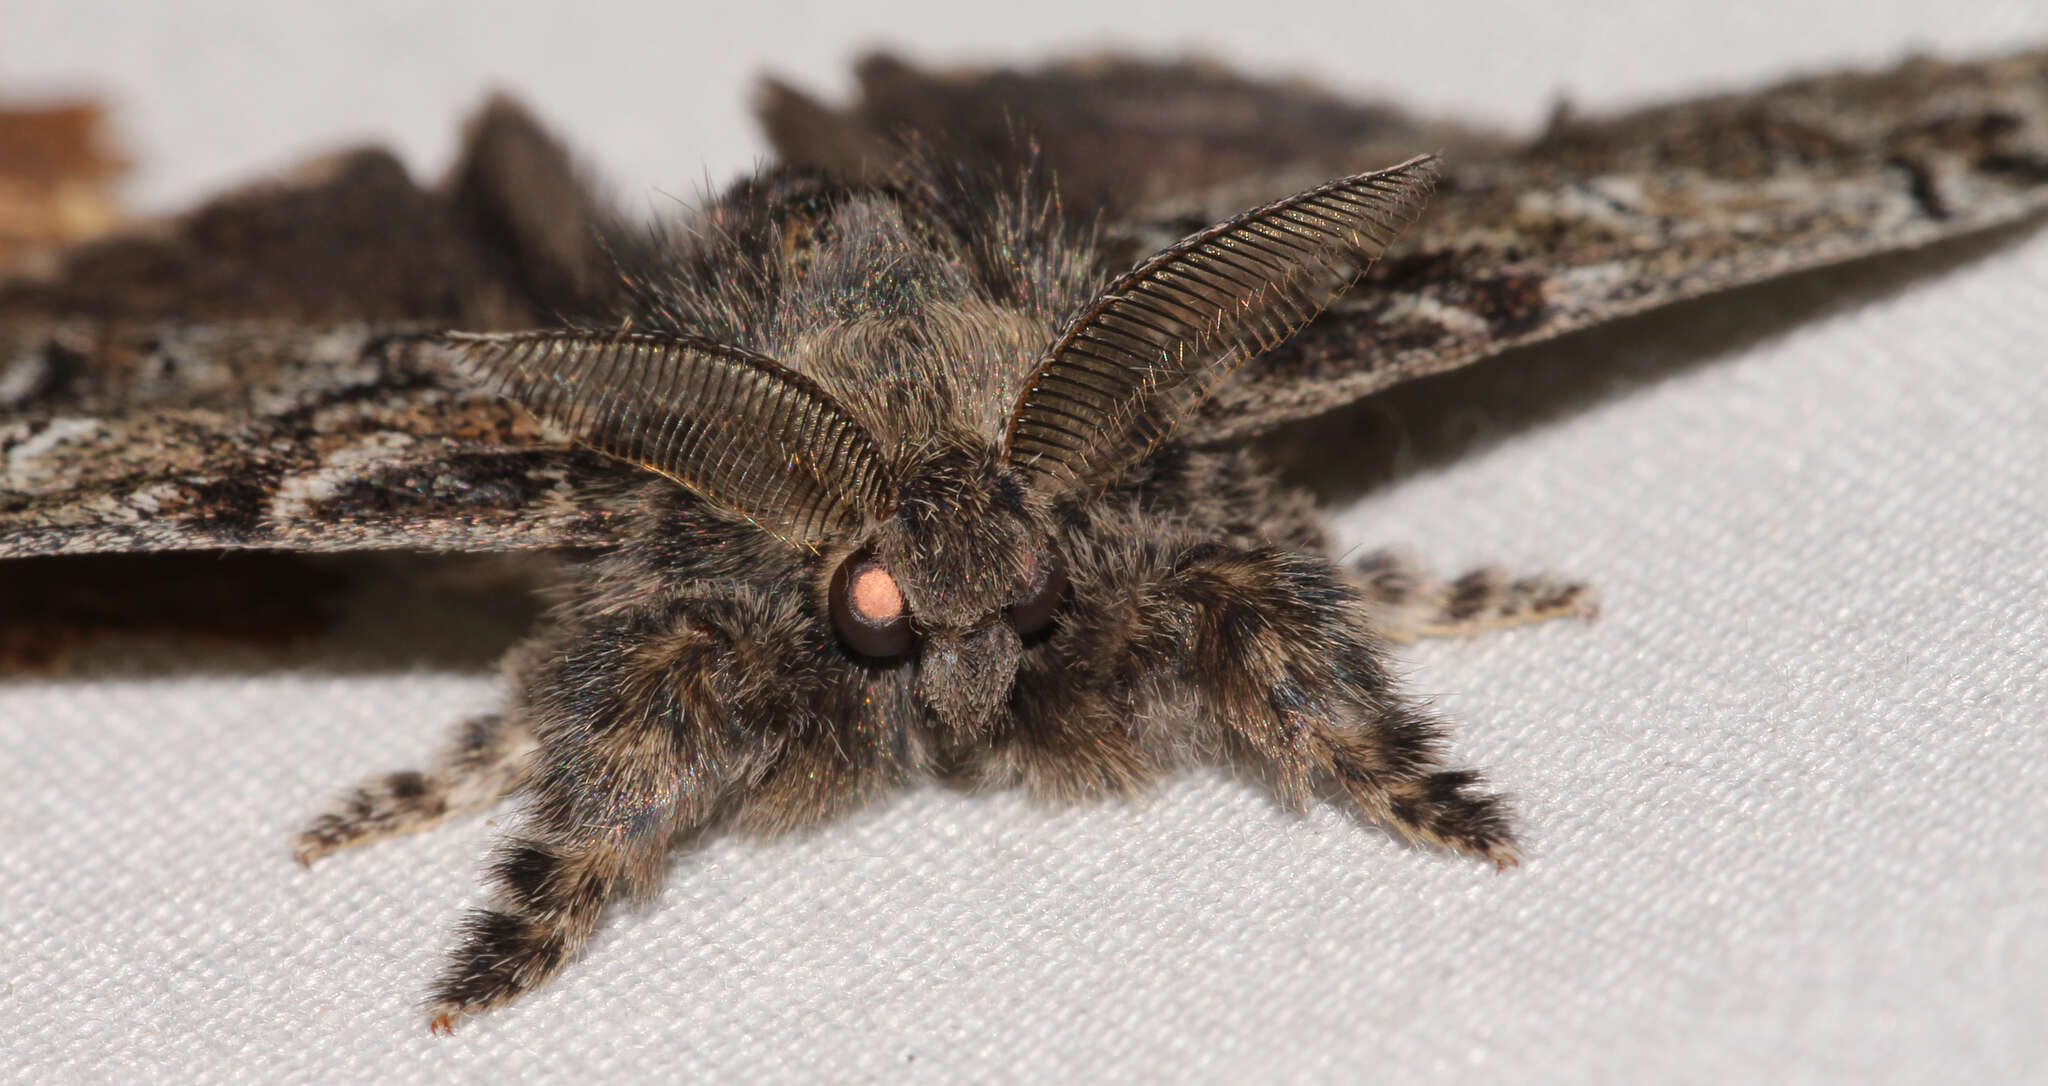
(946,558)
(963,575)
(946,562)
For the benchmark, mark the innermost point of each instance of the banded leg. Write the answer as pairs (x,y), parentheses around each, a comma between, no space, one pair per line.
(1281,651)
(1408,602)
(646,724)
(484,761)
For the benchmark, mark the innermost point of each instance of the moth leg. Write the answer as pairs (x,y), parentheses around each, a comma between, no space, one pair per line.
(484,760)
(1281,652)
(645,724)
(1409,602)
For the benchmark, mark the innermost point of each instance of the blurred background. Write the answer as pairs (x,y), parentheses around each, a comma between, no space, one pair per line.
(656,94)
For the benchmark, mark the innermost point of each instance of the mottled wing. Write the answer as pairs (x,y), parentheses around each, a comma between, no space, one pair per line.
(225,379)
(1595,219)
(1604,218)
(238,435)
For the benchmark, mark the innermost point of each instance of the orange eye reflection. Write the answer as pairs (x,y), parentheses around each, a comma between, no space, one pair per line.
(874,594)
(868,609)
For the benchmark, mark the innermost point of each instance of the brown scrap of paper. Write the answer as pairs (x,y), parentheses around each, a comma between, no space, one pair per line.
(57,174)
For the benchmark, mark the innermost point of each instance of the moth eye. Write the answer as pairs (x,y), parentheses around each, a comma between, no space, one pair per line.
(1044,587)
(868,609)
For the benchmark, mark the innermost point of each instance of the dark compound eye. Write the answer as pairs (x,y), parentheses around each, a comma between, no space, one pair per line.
(867,608)
(1045,586)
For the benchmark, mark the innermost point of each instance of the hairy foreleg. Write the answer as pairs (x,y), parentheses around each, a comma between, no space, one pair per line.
(1278,646)
(653,726)
(631,751)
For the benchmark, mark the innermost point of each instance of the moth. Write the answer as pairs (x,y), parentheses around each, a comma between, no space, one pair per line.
(922,454)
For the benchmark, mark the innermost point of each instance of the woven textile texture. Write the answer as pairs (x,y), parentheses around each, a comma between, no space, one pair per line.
(1786,801)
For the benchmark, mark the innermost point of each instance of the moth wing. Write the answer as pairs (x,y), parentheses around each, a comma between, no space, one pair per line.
(222,379)
(153,437)
(1604,218)
(1593,220)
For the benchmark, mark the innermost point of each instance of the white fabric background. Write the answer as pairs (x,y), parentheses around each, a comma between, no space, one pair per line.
(1785,800)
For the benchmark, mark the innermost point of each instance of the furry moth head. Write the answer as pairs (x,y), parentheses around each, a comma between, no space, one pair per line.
(942,544)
